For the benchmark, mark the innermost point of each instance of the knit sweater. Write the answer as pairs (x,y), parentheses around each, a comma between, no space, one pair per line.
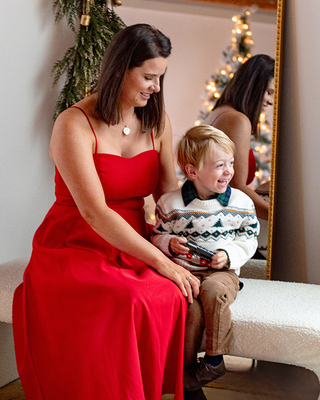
(233,228)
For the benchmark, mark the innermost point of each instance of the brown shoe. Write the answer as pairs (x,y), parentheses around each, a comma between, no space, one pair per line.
(204,373)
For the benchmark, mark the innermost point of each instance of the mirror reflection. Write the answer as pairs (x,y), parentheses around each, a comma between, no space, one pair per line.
(244,111)
(239,100)
(237,112)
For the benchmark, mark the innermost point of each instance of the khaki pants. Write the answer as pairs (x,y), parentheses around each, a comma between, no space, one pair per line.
(210,310)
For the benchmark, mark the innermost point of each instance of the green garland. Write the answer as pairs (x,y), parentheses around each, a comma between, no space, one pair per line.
(81,63)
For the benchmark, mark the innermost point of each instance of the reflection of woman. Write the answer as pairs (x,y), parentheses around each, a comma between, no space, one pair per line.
(237,113)
(100,314)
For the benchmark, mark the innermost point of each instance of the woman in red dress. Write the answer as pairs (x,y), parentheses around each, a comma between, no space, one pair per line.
(237,113)
(101,311)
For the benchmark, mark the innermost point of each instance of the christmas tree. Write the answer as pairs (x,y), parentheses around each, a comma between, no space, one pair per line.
(236,54)
(94,24)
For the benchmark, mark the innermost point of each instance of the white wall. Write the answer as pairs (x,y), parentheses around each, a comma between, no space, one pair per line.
(296,238)
(30,45)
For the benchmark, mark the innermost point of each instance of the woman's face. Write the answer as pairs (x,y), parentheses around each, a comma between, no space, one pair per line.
(141,82)
(268,96)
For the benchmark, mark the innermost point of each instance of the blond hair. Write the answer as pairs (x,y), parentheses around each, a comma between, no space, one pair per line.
(198,142)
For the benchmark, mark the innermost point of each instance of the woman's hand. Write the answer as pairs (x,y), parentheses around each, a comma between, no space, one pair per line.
(187,283)
(219,260)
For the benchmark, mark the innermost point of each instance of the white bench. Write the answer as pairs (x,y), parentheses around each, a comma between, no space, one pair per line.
(11,275)
(278,322)
(272,321)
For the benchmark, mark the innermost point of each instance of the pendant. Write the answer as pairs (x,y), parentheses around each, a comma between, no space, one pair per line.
(126,130)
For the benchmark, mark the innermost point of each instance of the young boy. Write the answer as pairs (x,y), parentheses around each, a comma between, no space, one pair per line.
(207,211)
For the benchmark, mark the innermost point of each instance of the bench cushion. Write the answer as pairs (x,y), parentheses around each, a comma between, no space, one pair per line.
(278,321)
(11,275)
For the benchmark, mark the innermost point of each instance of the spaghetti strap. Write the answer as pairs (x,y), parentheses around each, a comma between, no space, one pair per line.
(96,147)
(152,138)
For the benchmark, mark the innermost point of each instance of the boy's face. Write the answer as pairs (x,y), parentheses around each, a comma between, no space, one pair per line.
(215,175)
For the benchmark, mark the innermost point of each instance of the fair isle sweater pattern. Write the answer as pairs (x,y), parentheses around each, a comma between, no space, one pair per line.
(233,228)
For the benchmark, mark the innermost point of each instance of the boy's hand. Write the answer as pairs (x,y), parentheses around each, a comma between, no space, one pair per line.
(177,245)
(219,260)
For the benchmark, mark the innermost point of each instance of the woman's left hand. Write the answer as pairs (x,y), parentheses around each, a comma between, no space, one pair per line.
(187,283)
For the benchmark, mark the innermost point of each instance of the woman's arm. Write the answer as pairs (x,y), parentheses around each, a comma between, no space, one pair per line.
(167,175)
(71,148)
(238,127)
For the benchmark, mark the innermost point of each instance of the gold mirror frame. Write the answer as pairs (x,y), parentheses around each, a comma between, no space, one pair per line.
(275,125)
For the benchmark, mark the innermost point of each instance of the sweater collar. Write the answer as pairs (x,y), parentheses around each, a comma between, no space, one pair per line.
(189,193)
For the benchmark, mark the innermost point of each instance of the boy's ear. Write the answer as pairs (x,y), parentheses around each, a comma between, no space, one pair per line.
(191,171)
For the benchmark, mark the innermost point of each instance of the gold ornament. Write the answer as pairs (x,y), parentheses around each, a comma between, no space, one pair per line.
(85,20)
(85,17)
(116,3)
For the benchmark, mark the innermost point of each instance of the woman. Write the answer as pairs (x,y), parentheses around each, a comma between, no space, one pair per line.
(237,112)
(100,314)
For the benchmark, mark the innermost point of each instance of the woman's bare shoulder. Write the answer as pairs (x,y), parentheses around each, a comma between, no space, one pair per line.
(228,119)
(72,128)
(76,115)
(225,113)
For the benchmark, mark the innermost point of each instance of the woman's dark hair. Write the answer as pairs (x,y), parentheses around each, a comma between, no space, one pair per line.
(129,49)
(246,89)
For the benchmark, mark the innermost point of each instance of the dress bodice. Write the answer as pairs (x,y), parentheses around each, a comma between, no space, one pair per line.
(123,180)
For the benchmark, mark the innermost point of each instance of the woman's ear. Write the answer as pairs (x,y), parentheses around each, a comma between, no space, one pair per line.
(191,171)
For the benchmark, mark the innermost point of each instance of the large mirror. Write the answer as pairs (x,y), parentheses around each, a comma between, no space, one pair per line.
(267,9)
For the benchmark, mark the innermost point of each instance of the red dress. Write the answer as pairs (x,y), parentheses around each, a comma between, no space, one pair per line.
(91,322)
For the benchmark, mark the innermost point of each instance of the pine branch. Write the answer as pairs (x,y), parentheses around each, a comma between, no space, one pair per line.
(67,8)
(81,63)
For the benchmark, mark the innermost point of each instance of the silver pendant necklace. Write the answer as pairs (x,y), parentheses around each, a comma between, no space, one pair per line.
(126,130)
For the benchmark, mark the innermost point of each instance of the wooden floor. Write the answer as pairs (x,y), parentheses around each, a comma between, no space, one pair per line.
(265,381)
